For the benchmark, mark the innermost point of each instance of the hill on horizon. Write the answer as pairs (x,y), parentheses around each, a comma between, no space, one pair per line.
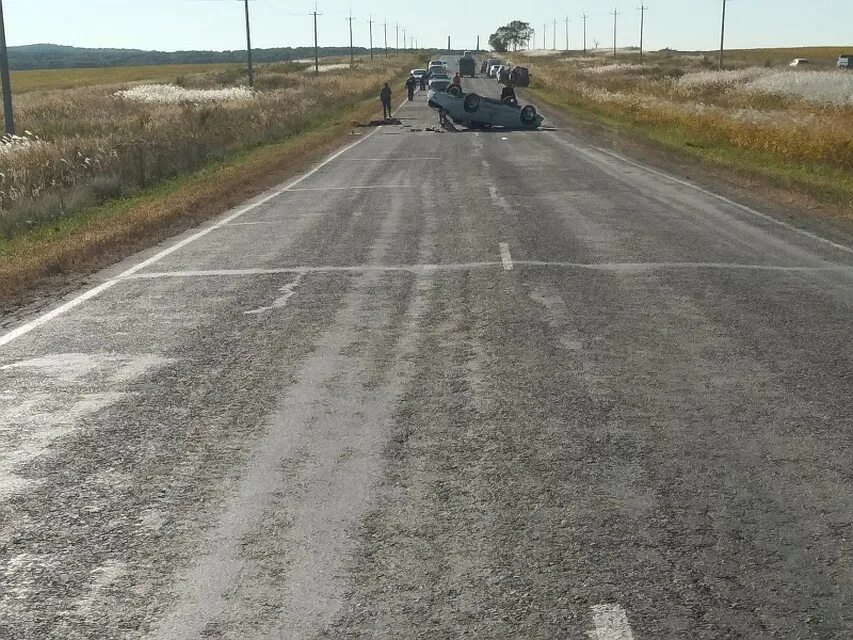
(55,56)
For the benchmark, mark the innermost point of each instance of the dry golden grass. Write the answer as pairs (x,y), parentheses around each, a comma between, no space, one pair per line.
(95,146)
(706,113)
(47,79)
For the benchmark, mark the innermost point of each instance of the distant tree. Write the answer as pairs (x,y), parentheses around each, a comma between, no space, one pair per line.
(513,35)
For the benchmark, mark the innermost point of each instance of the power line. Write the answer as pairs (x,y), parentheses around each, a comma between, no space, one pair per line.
(723,34)
(249,47)
(8,114)
(615,15)
(351,52)
(316,47)
(370,22)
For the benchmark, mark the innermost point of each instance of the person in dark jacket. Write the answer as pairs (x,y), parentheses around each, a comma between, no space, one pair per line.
(385,98)
(423,83)
(410,87)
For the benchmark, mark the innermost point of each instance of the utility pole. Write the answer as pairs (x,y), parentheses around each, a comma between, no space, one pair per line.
(371,37)
(567,32)
(545,35)
(316,47)
(448,45)
(8,115)
(248,46)
(555,34)
(404,38)
(397,38)
(642,10)
(585,18)
(616,15)
(723,35)
(385,32)
(351,53)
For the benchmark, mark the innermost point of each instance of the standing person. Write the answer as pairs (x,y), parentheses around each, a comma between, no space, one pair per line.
(410,87)
(385,98)
(457,80)
(423,82)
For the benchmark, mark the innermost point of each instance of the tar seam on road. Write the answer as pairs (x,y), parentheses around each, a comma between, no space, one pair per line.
(506,257)
(506,263)
(91,293)
(611,623)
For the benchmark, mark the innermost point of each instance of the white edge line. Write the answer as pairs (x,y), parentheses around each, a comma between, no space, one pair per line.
(25,328)
(726,200)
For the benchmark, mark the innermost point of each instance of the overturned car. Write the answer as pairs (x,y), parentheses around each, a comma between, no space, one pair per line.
(477,111)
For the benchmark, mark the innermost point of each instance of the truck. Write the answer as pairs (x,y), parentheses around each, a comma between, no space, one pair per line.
(467,65)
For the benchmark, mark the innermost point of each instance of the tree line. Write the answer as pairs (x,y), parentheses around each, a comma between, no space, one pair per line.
(51,56)
(515,35)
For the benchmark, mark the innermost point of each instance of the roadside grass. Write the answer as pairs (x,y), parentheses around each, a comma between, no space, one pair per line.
(52,79)
(777,135)
(163,167)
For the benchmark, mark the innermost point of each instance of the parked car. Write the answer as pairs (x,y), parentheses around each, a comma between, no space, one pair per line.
(519,77)
(845,61)
(491,62)
(439,84)
(419,73)
(799,62)
(440,76)
(476,111)
(435,69)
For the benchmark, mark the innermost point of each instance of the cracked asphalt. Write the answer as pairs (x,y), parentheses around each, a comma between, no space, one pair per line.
(480,384)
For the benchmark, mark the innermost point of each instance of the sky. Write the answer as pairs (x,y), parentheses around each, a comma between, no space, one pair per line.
(218,24)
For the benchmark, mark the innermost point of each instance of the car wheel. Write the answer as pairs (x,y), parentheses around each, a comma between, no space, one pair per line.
(472,102)
(528,114)
(455,90)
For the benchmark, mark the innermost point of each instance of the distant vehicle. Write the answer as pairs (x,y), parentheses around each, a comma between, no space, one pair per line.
(477,112)
(467,65)
(436,68)
(419,73)
(798,62)
(440,76)
(845,61)
(519,77)
(433,63)
(491,62)
(440,84)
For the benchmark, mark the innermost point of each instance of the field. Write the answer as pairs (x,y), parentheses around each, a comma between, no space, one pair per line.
(46,79)
(759,115)
(87,145)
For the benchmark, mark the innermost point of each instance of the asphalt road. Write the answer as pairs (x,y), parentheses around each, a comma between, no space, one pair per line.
(489,385)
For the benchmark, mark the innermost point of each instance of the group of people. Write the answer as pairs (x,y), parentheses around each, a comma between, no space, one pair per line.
(411,84)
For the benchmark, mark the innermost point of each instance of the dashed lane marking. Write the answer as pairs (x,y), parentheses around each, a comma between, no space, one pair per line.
(611,623)
(506,257)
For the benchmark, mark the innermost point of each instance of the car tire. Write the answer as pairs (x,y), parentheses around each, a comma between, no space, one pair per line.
(455,90)
(472,102)
(528,114)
